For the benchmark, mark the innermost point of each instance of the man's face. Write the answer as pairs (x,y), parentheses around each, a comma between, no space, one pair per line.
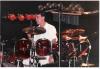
(39,19)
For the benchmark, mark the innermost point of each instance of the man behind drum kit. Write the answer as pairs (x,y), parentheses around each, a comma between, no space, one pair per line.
(50,35)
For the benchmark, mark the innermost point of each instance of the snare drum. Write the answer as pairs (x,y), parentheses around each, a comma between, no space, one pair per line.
(43,47)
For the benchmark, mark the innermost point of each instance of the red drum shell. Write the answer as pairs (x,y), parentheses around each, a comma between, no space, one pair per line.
(43,47)
(23,49)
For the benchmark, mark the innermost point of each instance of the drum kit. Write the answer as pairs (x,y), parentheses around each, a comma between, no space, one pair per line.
(28,53)
(77,45)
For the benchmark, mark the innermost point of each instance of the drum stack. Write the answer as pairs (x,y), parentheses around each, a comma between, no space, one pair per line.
(76,46)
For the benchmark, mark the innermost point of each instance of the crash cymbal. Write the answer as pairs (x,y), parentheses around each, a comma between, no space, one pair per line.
(34,30)
(65,37)
(73,32)
(79,31)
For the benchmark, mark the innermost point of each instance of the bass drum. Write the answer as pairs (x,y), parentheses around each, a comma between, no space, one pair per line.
(43,47)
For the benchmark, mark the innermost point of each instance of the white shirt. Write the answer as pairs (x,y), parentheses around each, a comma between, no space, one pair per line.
(50,33)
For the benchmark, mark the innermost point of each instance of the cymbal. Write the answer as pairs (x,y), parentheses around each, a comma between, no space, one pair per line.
(27,29)
(34,30)
(39,30)
(73,32)
(65,37)
(80,31)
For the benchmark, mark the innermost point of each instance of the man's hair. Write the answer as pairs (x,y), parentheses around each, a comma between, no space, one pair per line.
(42,13)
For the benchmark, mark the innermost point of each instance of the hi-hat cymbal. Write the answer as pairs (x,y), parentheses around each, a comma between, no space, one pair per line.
(34,30)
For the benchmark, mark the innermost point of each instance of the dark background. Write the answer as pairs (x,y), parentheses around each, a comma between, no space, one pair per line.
(10,30)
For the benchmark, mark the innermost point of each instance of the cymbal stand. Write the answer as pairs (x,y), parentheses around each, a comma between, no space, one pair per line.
(74,56)
(75,59)
(87,59)
(80,51)
(69,62)
(2,44)
(51,44)
(14,50)
(32,59)
(19,63)
(35,61)
(32,54)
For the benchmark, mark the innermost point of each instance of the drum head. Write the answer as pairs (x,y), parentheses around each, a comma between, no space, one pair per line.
(43,47)
(23,48)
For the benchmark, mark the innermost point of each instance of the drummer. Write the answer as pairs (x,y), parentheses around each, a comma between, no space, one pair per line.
(49,34)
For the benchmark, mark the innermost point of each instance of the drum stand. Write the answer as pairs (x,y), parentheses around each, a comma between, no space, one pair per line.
(51,51)
(88,48)
(87,59)
(14,46)
(69,62)
(74,56)
(18,61)
(32,57)
(35,60)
